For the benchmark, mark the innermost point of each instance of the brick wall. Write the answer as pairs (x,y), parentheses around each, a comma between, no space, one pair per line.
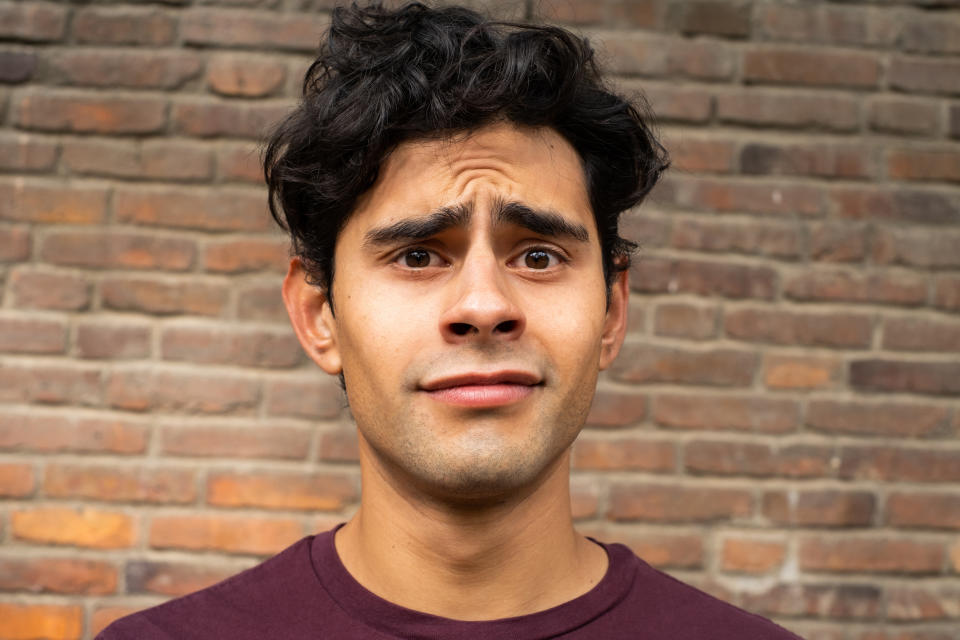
(780,429)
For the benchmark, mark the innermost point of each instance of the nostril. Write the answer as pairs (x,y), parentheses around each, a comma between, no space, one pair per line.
(506,326)
(461,328)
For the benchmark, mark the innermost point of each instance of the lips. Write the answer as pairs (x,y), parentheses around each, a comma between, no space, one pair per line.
(483,390)
(524,378)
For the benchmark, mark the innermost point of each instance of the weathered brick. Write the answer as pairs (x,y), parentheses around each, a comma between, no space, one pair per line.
(210,118)
(820,508)
(49,384)
(810,67)
(752,555)
(288,443)
(236,28)
(820,160)
(612,408)
(22,334)
(339,445)
(765,108)
(774,240)
(70,433)
(16,481)
(105,249)
(14,243)
(660,56)
(920,334)
(157,69)
(802,372)
(730,19)
(281,490)
(774,326)
(679,551)
(173,578)
(113,340)
(624,453)
(149,160)
(118,484)
(215,345)
(640,363)
(921,603)
(925,75)
(48,289)
(682,320)
(49,621)
(756,414)
(233,534)
(904,116)
(246,76)
(712,278)
(239,162)
(46,202)
(696,154)
(181,391)
(881,419)
(899,464)
(827,25)
(82,528)
(738,196)
(946,292)
(902,204)
(837,242)
(953,123)
(728,458)
(926,510)
(207,209)
(318,398)
(164,296)
(123,25)
(671,503)
(938,378)
(255,254)
(926,248)
(57,575)
(616,13)
(907,163)
(91,113)
(805,461)
(25,152)
(870,555)
(35,22)
(678,103)
(884,287)
(261,303)
(936,33)
(16,66)
(843,601)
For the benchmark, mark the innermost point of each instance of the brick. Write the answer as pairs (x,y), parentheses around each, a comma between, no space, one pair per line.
(923,510)
(157,69)
(805,461)
(118,484)
(214,345)
(209,118)
(261,303)
(237,162)
(728,458)
(81,528)
(206,209)
(49,384)
(925,248)
(904,116)
(756,238)
(707,155)
(164,296)
(820,508)
(946,294)
(180,391)
(936,378)
(924,164)
(48,289)
(884,287)
(16,481)
(828,25)
(245,76)
(802,372)
(773,326)
(112,340)
(35,22)
(920,334)
(835,601)
(32,335)
(870,555)
(737,196)
(679,103)
(57,575)
(900,205)
(48,621)
(91,113)
(794,110)
(252,29)
(678,551)
(147,160)
(712,278)
(922,603)
(25,152)
(46,202)
(14,244)
(285,443)
(106,249)
(681,320)
(612,408)
(660,56)
(954,121)
(624,454)
(320,398)
(751,555)
(731,19)
(104,616)
(69,433)
(822,160)
(640,363)
(882,419)
(755,414)
(232,534)
(16,66)
(276,490)
(616,13)
(924,75)
(931,34)
(837,242)
(240,256)
(809,67)
(123,25)
(899,464)
(671,503)
(339,445)
(172,579)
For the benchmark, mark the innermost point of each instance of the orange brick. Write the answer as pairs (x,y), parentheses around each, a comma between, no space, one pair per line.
(247,76)
(749,555)
(801,372)
(324,491)
(32,621)
(35,201)
(236,209)
(142,389)
(616,409)
(340,445)
(679,551)
(624,453)
(237,256)
(115,484)
(260,536)
(104,616)
(53,433)
(870,555)
(291,443)
(173,578)
(82,528)
(16,480)
(57,575)
(820,508)
(726,413)
(667,503)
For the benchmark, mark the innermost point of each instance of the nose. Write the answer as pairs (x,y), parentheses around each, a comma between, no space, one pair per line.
(483,308)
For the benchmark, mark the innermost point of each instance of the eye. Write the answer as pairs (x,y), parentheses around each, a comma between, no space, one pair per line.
(540,259)
(418,259)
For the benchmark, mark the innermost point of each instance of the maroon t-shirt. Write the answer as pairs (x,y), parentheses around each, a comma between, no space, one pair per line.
(306,592)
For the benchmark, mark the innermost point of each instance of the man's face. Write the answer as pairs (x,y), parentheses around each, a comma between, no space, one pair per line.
(471,317)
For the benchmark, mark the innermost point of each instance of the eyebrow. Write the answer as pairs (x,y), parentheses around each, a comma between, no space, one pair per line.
(540,221)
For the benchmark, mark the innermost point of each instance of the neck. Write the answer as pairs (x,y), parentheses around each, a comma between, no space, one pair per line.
(504,558)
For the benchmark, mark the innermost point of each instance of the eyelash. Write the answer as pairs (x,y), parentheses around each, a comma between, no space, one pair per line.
(557,256)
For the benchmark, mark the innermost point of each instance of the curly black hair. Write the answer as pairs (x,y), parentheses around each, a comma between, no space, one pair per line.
(385,76)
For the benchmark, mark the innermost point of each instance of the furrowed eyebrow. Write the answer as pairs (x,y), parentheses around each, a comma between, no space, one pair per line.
(545,223)
(419,228)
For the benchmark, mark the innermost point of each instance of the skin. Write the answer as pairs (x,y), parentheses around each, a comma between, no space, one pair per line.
(437,283)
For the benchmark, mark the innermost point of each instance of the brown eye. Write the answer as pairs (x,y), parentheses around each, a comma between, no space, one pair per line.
(537,259)
(417,259)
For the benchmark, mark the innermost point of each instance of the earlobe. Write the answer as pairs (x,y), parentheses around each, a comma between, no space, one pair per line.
(309,309)
(615,323)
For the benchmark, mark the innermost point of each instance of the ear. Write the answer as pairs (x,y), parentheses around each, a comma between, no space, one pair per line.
(312,318)
(615,322)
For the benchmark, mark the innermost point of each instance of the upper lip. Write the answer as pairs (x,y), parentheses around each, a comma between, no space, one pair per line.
(482,378)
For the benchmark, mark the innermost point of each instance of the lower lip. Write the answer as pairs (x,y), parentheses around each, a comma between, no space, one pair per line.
(482,395)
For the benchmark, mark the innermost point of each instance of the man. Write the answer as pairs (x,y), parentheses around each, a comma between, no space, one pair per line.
(452,189)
